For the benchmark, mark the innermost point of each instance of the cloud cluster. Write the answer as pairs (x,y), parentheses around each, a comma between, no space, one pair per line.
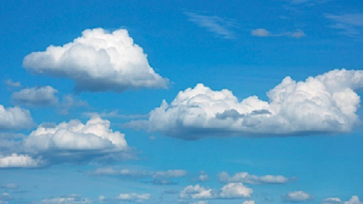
(228,191)
(36,96)
(98,61)
(252,179)
(322,104)
(15,118)
(297,196)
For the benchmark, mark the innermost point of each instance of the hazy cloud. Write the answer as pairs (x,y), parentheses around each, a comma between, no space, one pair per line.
(261,32)
(349,24)
(297,196)
(245,177)
(214,24)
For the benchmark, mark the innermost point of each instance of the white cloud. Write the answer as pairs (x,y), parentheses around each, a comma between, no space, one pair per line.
(36,96)
(228,191)
(98,61)
(95,135)
(196,192)
(261,32)
(200,202)
(331,201)
(15,118)
(203,176)
(322,104)
(19,161)
(252,179)
(214,24)
(297,196)
(70,199)
(133,197)
(235,190)
(249,202)
(353,200)
(349,24)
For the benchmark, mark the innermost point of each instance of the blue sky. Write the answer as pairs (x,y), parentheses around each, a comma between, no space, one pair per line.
(181,102)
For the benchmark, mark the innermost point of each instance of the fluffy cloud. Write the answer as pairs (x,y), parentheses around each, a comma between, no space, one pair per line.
(70,142)
(353,200)
(228,191)
(11,83)
(95,137)
(235,190)
(249,202)
(19,161)
(252,179)
(203,176)
(98,61)
(322,104)
(15,118)
(36,96)
(196,192)
(297,196)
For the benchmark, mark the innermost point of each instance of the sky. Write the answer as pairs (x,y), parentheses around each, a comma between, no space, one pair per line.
(189,102)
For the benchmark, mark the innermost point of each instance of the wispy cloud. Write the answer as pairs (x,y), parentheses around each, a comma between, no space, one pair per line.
(349,24)
(217,25)
(261,32)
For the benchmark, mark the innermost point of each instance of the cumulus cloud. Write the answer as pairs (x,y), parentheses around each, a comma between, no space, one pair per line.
(98,61)
(297,196)
(36,96)
(252,179)
(261,32)
(15,118)
(214,24)
(70,141)
(228,191)
(19,161)
(353,200)
(69,199)
(74,139)
(322,104)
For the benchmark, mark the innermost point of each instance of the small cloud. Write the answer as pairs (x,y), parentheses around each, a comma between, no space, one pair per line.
(36,96)
(10,186)
(11,83)
(297,196)
(115,114)
(261,32)
(19,161)
(69,199)
(214,24)
(245,177)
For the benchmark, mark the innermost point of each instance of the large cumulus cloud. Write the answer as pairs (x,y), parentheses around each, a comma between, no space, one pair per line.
(325,103)
(98,61)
